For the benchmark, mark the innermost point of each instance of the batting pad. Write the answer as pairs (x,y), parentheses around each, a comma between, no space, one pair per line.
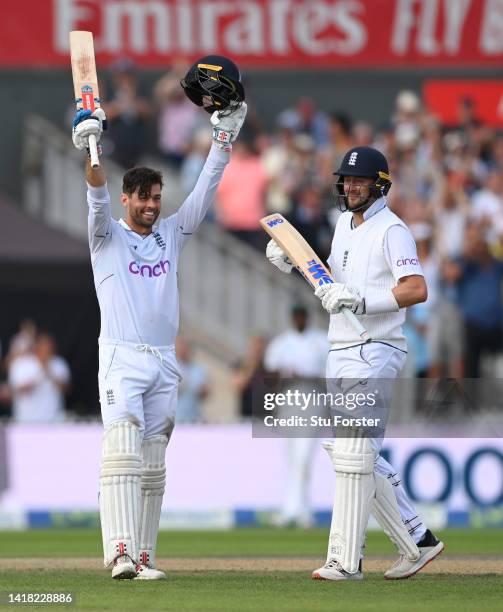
(353,461)
(387,514)
(153,481)
(120,491)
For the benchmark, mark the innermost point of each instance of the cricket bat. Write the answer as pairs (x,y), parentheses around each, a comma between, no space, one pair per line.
(305,260)
(85,81)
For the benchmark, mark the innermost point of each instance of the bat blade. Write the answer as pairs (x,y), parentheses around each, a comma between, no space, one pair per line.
(305,259)
(298,250)
(85,79)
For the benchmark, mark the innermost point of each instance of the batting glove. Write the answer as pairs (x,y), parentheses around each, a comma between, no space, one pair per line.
(86,124)
(336,296)
(226,128)
(278,257)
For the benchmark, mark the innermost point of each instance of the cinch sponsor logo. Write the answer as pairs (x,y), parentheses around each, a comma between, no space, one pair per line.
(274,222)
(318,272)
(408,261)
(145,270)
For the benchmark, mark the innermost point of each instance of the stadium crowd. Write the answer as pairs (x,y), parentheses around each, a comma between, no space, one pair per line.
(447,186)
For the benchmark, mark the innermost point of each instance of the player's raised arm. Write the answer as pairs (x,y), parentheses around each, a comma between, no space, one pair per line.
(214,82)
(86,124)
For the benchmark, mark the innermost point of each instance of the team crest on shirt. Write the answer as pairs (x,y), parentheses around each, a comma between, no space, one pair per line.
(345,259)
(159,240)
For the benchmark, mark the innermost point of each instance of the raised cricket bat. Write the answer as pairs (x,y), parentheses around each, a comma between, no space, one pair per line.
(85,81)
(305,260)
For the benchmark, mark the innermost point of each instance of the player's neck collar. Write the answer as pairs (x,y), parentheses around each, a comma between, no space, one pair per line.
(376,207)
(130,229)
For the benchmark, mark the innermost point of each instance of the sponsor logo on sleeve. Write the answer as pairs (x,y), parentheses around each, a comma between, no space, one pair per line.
(407,261)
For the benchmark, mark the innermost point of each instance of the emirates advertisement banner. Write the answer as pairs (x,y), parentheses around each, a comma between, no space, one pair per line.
(259,33)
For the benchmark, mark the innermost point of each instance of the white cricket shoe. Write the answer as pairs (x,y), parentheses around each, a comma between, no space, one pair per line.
(429,548)
(124,568)
(144,572)
(332,570)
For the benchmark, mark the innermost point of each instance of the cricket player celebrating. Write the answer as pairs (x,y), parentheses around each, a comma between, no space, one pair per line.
(374,259)
(135,263)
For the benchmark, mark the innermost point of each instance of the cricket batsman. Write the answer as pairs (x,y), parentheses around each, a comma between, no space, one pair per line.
(374,258)
(135,266)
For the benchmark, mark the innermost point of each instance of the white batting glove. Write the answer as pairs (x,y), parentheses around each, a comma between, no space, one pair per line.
(336,296)
(226,128)
(86,124)
(278,257)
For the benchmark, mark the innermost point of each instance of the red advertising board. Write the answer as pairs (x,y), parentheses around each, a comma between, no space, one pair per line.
(443,99)
(261,33)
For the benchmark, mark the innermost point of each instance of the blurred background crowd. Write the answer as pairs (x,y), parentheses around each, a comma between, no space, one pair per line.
(447,186)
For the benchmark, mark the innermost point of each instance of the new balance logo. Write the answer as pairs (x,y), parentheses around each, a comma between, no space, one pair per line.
(318,272)
(352,158)
(274,222)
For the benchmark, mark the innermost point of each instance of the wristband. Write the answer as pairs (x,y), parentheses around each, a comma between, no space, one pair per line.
(381,302)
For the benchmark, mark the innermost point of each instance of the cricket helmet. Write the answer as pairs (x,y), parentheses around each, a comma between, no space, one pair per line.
(214,82)
(362,162)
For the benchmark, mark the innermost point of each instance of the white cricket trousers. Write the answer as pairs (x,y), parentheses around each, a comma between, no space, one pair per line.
(138,383)
(377,360)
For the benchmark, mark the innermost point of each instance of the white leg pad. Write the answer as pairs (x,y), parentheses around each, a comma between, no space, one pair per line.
(388,516)
(153,482)
(120,491)
(353,461)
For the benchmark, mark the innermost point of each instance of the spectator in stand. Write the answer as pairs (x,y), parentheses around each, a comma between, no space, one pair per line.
(279,162)
(297,356)
(193,162)
(194,387)
(22,343)
(38,383)
(419,315)
(487,207)
(241,195)
(305,118)
(310,218)
(478,276)
(127,114)
(340,139)
(249,374)
(179,118)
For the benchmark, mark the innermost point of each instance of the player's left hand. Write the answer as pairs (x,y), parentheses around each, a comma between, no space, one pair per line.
(226,128)
(336,296)
(86,124)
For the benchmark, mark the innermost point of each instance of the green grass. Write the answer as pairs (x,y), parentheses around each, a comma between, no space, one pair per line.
(212,591)
(272,592)
(236,543)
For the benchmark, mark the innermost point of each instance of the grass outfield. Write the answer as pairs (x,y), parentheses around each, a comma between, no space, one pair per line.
(254,542)
(271,591)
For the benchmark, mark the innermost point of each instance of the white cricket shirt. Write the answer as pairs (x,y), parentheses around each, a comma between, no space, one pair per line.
(372,257)
(136,276)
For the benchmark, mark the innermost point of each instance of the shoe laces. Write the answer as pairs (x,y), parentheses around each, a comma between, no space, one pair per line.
(333,564)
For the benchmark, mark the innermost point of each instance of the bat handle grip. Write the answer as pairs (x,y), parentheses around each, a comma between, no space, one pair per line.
(353,319)
(93,151)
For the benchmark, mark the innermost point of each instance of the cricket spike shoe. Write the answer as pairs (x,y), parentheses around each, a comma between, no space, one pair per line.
(124,568)
(429,548)
(332,570)
(144,572)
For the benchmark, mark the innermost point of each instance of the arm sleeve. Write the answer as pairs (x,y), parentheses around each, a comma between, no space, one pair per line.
(400,252)
(193,210)
(100,217)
